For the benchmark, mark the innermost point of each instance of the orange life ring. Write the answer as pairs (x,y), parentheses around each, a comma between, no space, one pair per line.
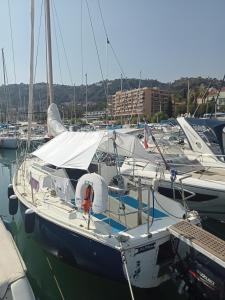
(86,203)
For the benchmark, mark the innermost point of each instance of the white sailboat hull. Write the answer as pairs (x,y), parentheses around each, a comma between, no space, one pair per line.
(8,142)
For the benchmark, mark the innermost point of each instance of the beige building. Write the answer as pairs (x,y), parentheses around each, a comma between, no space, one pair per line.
(144,101)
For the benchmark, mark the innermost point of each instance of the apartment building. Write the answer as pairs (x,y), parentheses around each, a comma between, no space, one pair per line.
(94,115)
(144,101)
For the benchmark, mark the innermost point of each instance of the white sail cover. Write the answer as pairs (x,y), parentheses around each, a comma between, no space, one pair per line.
(54,122)
(76,149)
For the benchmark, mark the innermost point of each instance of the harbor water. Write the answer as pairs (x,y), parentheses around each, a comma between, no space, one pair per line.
(52,279)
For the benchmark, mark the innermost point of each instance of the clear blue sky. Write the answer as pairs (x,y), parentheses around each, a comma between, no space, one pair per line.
(164,39)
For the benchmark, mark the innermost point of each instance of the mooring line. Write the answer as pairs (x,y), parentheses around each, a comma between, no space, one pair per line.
(124,261)
(56,281)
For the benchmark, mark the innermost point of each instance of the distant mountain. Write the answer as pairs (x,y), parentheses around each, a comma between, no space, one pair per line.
(17,94)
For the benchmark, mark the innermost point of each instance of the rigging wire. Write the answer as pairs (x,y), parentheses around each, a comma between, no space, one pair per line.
(108,41)
(38,41)
(63,44)
(81,42)
(12,44)
(57,47)
(96,47)
(116,59)
(46,62)
(13,54)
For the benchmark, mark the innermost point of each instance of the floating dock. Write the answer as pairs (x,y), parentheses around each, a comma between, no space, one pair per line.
(201,240)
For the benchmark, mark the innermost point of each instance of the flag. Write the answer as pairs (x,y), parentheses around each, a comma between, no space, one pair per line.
(146,135)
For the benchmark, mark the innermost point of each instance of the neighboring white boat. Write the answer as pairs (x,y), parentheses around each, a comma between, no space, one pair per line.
(8,142)
(14,284)
(209,154)
(200,167)
(205,189)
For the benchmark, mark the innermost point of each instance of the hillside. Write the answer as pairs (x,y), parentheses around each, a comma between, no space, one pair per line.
(17,94)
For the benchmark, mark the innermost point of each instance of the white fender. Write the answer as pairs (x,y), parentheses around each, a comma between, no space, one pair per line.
(100,200)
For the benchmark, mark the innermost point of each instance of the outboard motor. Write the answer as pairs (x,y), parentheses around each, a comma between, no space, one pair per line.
(207,277)
(200,278)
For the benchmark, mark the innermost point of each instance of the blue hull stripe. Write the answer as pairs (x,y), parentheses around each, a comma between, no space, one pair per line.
(116,226)
(134,203)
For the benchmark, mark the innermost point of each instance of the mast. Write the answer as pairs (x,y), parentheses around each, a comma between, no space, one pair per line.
(5,92)
(74,103)
(139,98)
(49,50)
(86,96)
(31,83)
(121,90)
(188,98)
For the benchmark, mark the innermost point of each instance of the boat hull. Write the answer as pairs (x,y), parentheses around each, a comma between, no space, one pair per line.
(78,250)
(8,143)
(208,202)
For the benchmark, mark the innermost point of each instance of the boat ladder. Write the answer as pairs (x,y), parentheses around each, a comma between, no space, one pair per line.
(201,240)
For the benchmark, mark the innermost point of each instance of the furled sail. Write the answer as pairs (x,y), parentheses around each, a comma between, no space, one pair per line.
(54,122)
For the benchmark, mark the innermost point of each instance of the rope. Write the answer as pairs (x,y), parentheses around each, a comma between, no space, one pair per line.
(56,281)
(124,261)
(172,215)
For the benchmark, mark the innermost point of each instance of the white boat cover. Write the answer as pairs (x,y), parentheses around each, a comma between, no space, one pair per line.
(77,149)
(11,264)
(70,149)
(127,145)
(54,122)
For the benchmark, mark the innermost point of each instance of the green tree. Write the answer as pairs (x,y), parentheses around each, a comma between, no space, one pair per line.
(161,115)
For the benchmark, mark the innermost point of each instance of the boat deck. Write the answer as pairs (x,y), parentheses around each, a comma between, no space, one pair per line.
(201,240)
(121,214)
(210,174)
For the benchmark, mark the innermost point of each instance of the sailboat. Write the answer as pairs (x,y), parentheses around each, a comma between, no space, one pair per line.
(8,137)
(72,195)
(124,219)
